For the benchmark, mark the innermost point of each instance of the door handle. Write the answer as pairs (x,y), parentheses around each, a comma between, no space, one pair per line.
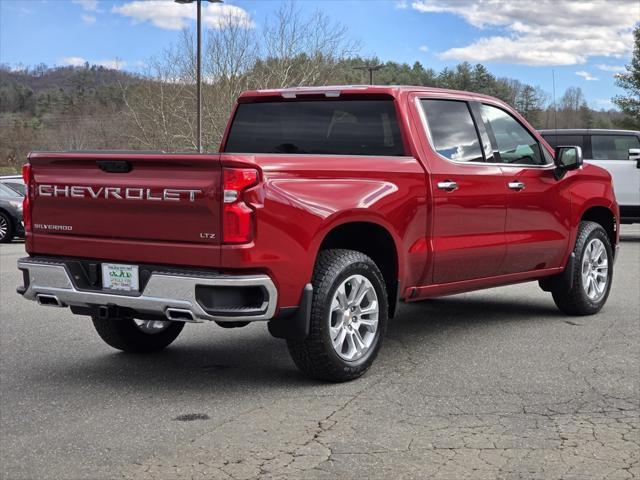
(448,185)
(516,185)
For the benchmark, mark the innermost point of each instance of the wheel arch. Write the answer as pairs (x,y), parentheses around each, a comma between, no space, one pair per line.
(605,217)
(375,241)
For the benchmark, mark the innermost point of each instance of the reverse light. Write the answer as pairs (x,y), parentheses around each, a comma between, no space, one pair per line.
(237,216)
(26,202)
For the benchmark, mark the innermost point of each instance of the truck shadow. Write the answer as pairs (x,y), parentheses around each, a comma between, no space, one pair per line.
(219,362)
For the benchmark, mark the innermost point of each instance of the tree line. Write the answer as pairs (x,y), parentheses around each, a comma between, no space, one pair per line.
(92,107)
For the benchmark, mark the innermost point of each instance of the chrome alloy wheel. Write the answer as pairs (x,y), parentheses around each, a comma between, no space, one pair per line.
(151,327)
(595,269)
(4,227)
(353,318)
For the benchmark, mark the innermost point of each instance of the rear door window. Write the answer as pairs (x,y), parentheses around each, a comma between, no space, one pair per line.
(338,127)
(514,143)
(452,131)
(613,147)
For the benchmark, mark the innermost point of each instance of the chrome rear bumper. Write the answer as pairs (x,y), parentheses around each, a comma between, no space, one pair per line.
(171,296)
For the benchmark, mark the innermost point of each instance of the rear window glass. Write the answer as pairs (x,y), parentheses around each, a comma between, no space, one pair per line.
(17,187)
(6,192)
(338,127)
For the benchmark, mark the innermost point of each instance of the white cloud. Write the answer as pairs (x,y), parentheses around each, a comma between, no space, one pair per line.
(402,4)
(605,103)
(90,5)
(573,32)
(89,19)
(611,68)
(73,61)
(586,75)
(423,48)
(174,16)
(114,64)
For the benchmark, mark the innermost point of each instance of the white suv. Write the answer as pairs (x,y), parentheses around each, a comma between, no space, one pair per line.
(617,151)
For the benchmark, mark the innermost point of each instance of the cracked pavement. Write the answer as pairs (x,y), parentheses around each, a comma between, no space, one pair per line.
(491,384)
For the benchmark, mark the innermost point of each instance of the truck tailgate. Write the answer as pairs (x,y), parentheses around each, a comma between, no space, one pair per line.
(108,205)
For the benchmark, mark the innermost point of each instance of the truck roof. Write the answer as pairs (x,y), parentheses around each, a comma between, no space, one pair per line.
(586,131)
(338,90)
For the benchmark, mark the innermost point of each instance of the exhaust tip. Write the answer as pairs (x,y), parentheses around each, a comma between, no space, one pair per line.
(48,300)
(180,315)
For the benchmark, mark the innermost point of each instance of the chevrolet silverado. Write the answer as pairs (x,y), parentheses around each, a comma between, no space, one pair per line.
(323,209)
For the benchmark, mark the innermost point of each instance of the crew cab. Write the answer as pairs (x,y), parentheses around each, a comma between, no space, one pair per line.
(322,210)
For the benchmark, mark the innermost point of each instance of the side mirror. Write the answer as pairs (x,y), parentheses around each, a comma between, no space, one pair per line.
(634,154)
(568,157)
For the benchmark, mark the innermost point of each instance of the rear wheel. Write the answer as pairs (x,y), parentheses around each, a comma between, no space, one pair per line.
(592,275)
(6,228)
(137,336)
(348,317)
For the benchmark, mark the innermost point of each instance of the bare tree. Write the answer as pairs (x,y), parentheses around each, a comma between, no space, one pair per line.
(160,108)
(302,50)
(298,50)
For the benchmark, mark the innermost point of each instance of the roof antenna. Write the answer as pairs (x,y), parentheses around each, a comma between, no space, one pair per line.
(555,106)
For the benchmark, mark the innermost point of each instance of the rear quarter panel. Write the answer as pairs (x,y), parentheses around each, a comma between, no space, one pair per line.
(303,197)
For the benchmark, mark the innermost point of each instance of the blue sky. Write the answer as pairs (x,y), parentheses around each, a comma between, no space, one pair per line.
(515,39)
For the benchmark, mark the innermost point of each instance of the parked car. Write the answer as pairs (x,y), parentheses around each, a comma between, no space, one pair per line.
(323,209)
(10,214)
(14,182)
(618,152)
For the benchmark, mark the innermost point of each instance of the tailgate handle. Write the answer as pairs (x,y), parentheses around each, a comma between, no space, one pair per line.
(114,166)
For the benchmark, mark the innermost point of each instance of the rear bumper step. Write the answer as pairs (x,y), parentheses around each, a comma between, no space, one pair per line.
(178,297)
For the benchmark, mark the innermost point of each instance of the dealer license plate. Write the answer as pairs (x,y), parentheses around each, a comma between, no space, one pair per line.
(120,277)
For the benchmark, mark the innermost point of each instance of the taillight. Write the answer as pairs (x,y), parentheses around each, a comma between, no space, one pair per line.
(237,216)
(26,203)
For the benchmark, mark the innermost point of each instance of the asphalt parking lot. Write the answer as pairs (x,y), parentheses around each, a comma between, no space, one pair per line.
(492,384)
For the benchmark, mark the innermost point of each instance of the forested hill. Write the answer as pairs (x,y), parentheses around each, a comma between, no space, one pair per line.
(93,107)
(22,90)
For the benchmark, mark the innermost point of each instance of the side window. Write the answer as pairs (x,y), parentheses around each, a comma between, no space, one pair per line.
(453,132)
(613,147)
(555,140)
(514,143)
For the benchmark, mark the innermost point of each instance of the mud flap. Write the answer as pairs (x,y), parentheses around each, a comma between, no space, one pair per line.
(562,282)
(293,322)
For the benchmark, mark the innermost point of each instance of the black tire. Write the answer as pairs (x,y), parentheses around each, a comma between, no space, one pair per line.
(315,355)
(7,232)
(124,334)
(576,301)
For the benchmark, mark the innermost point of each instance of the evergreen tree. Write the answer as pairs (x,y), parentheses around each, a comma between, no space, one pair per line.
(630,81)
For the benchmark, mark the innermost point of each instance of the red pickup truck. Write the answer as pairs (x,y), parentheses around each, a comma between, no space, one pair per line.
(324,208)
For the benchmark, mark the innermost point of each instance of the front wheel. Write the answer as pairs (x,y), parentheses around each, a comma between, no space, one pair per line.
(137,336)
(348,317)
(592,275)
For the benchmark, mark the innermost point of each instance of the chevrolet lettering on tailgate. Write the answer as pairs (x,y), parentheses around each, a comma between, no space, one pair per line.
(118,193)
